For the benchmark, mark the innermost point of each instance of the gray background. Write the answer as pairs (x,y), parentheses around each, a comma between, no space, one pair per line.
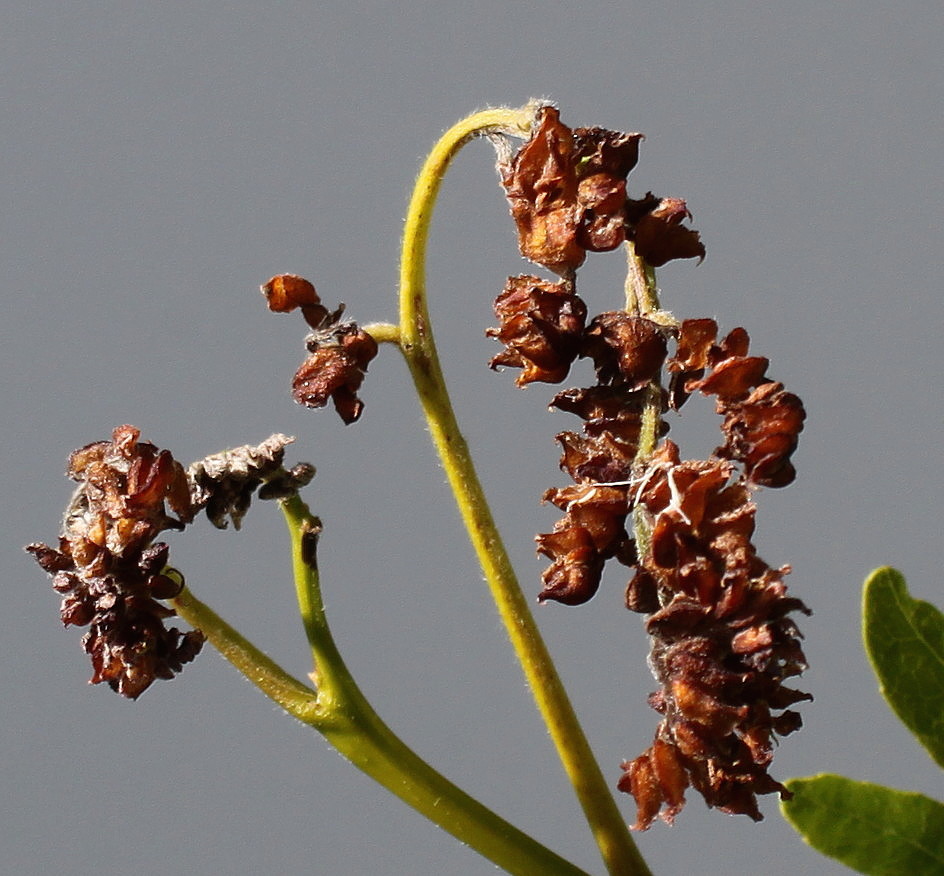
(161,160)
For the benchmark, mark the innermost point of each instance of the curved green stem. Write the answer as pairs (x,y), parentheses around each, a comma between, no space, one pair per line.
(416,341)
(383,332)
(291,694)
(340,712)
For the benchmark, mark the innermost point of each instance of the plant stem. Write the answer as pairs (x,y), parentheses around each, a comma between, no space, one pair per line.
(642,299)
(617,848)
(291,694)
(383,332)
(341,713)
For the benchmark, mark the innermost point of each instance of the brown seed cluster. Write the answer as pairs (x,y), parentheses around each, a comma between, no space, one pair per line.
(722,640)
(110,570)
(338,352)
(567,191)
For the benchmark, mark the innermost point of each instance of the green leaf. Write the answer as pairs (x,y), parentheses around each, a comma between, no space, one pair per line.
(873,829)
(904,639)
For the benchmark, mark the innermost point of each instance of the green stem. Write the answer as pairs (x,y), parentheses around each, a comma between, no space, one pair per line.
(341,713)
(642,299)
(617,848)
(291,694)
(383,332)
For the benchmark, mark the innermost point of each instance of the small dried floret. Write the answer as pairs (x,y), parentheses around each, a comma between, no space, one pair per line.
(593,530)
(286,292)
(696,338)
(541,186)
(625,349)
(541,327)
(613,410)
(597,458)
(338,352)
(335,369)
(762,431)
(574,575)
(656,229)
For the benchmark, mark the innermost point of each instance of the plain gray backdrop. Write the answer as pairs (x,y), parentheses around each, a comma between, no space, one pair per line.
(160,160)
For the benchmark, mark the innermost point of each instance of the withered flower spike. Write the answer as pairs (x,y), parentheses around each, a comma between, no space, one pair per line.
(722,641)
(223,484)
(109,569)
(718,616)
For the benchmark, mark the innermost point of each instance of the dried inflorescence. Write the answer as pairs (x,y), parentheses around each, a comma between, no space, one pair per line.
(338,352)
(762,422)
(223,484)
(108,566)
(723,642)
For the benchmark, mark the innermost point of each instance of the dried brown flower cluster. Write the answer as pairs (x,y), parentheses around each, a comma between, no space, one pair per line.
(338,352)
(567,190)
(109,568)
(718,616)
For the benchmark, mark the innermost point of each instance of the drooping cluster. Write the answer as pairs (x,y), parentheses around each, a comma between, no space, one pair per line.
(568,196)
(338,352)
(722,640)
(723,643)
(110,570)
(762,422)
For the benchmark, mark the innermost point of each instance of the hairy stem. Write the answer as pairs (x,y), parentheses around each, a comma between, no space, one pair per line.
(642,299)
(416,341)
(341,713)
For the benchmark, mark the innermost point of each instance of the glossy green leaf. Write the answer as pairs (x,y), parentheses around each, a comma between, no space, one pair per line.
(904,639)
(873,829)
